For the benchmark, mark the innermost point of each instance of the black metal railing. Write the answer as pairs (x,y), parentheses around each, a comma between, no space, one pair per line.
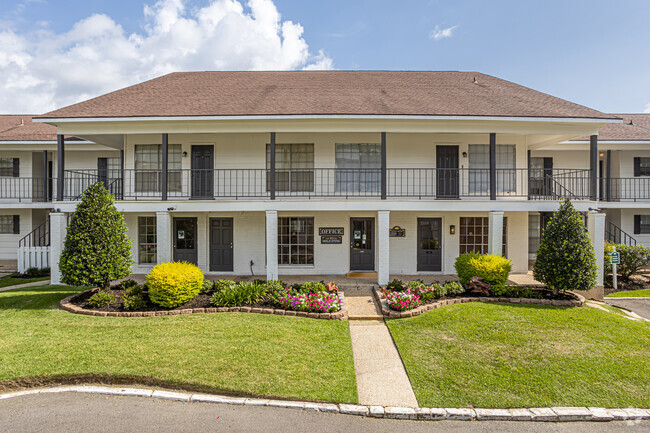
(615,234)
(624,188)
(24,188)
(39,237)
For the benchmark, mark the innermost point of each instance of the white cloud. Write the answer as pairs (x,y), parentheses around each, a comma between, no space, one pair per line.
(43,70)
(437,33)
(647,108)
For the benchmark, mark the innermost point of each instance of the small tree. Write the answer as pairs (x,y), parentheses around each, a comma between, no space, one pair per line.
(566,258)
(97,249)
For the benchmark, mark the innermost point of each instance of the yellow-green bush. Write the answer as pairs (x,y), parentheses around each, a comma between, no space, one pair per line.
(493,269)
(174,283)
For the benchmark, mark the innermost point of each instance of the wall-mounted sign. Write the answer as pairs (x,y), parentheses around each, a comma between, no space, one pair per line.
(181,234)
(331,239)
(397,232)
(327,231)
(357,234)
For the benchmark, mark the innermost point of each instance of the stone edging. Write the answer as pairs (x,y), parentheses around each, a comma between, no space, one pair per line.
(554,414)
(577,301)
(66,304)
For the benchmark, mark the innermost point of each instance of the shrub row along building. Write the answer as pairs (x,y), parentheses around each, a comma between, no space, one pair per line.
(324,172)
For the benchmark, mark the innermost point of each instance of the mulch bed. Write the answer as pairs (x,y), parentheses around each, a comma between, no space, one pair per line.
(635,282)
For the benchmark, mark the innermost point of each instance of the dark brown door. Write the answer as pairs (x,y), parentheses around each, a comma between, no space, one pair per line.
(202,171)
(447,169)
(221,241)
(362,244)
(429,244)
(185,240)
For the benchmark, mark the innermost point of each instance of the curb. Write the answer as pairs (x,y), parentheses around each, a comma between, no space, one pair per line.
(67,305)
(553,414)
(577,301)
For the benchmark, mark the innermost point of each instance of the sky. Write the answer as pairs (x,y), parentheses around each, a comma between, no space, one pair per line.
(55,53)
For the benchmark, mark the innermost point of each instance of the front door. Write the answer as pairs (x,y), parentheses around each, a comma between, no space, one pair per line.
(362,244)
(221,244)
(447,169)
(429,244)
(185,240)
(202,171)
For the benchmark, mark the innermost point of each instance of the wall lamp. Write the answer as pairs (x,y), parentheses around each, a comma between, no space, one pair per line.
(464,154)
(184,154)
(452,229)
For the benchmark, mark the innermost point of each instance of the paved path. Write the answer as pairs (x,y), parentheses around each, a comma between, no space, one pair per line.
(74,412)
(381,378)
(20,286)
(639,306)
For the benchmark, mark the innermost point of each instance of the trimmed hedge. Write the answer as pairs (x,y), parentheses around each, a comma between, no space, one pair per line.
(493,269)
(174,283)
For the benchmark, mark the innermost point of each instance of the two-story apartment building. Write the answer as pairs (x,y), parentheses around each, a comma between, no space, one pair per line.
(330,172)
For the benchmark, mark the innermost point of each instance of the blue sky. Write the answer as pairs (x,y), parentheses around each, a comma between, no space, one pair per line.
(592,52)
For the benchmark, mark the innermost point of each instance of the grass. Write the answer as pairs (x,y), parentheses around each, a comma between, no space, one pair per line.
(11,280)
(643,293)
(249,354)
(496,355)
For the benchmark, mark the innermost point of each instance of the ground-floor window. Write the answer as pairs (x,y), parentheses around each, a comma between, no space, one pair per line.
(534,233)
(9,224)
(641,224)
(295,241)
(474,235)
(147,240)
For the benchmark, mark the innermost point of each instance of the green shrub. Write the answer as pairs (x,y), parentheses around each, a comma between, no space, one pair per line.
(207,286)
(275,290)
(454,288)
(37,272)
(101,299)
(492,269)
(219,285)
(634,258)
(520,292)
(133,299)
(437,291)
(239,294)
(126,284)
(396,286)
(566,258)
(97,249)
(174,283)
(310,287)
(416,284)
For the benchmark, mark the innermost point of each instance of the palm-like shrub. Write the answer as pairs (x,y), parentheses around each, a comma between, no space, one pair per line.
(97,249)
(174,283)
(566,258)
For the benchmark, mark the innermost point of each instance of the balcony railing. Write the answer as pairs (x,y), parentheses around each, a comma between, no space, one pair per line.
(624,189)
(28,189)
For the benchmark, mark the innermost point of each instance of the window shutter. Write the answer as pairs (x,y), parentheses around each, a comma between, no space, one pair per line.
(637,167)
(16,224)
(16,172)
(548,163)
(637,224)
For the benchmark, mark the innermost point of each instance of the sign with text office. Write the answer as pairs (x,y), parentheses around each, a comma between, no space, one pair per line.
(330,231)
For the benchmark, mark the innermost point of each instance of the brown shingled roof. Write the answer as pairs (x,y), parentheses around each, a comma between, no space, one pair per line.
(19,127)
(635,127)
(326,93)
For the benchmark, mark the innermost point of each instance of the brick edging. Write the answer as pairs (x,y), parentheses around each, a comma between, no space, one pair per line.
(66,304)
(552,414)
(577,301)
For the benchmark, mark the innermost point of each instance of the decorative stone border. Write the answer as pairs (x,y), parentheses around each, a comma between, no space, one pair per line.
(577,301)
(553,414)
(66,304)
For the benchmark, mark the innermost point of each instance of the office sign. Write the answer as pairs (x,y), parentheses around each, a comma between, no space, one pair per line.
(330,231)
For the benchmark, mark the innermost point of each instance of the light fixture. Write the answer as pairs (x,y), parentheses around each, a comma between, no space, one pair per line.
(452,229)
(601,154)
(464,154)
(184,154)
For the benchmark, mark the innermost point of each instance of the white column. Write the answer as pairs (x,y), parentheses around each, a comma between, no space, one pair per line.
(596,228)
(58,230)
(271,245)
(383,247)
(495,233)
(163,236)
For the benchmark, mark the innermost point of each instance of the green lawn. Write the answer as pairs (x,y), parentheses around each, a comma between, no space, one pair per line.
(509,355)
(11,280)
(644,293)
(249,354)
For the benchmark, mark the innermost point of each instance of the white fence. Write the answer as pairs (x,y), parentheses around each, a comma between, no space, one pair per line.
(33,257)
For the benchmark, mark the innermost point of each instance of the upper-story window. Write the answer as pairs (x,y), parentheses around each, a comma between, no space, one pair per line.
(9,167)
(479,164)
(358,167)
(641,166)
(294,167)
(148,166)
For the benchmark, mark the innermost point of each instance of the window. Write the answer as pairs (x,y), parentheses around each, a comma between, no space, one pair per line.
(295,241)
(474,235)
(644,166)
(9,167)
(534,233)
(9,224)
(479,164)
(148,166)
(294,167)
(358,167)
(641,224)
(147,240)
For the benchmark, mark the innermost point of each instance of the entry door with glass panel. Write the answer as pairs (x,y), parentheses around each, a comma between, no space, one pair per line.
(429,244)
(221,237)
(362,244)
(447,169)
(540,183)
(202,171)
(185,240)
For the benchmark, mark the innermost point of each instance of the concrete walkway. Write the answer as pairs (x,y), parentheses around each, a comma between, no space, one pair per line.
(20,286)
(640,306)
(381,377)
